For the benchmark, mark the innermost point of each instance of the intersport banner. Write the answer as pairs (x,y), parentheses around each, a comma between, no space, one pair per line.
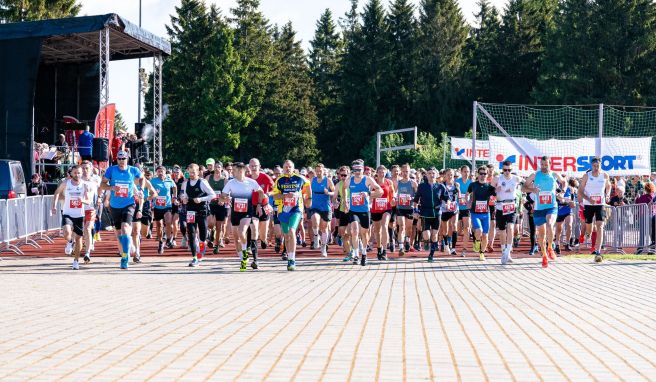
(461,148)
(620,156)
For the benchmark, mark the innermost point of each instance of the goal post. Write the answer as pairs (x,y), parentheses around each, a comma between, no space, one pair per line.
(380,134)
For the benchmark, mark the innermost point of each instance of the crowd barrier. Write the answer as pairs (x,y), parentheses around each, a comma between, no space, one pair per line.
(26,221)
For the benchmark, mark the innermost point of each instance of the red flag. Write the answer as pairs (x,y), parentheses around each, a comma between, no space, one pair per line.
(72,135)
(105,122)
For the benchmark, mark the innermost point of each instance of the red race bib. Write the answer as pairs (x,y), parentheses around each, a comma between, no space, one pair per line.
(493,199)
(381,204)
(595,199)
(241,205)
(404,200)
(122,191)
(508,208)
(75,203)
(451,206)
(357,199)
(462,199)
(160,201)
(191,217)
(546,197)
(480,207)
(289,200)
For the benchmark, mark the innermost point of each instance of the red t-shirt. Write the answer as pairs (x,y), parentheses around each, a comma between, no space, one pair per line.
(266,183)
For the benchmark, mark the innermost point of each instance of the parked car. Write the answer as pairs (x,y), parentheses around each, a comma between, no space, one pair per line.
(12,179)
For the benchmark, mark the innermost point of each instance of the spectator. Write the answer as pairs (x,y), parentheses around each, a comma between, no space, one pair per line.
(61,143)
(618,199)
(85,144)
(133,145)
(117,145)
(36,186)
(648,197)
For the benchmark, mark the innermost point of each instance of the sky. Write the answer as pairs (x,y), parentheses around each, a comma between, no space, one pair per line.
(303,14)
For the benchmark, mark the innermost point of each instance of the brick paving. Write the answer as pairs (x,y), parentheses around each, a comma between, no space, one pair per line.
(403,320)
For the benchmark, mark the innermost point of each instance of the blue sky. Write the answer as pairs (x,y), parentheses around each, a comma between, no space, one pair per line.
(155,15)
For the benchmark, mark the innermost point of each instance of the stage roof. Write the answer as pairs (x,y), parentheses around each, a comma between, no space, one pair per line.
(76,39)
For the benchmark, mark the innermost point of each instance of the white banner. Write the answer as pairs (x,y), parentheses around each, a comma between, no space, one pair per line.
(620,156)
(461,148)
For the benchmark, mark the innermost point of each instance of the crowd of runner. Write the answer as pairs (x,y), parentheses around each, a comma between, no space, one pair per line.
(361,209)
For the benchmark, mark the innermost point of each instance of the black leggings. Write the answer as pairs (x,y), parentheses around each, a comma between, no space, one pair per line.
(531,229)
(201,226)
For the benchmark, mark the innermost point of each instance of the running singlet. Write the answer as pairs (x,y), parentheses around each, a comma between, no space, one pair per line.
(359,200)
(320,201)
(197,189)
(450,198)
(383,203)
(480,197)
(241,193)
(343,195)
(163,187)
(291,187)
(462,198)
(547,184)
(266,184)
(92,189)
(563,207)
(405,195)
(73,194)
(217,186)
(505,200)
(124,179)
(595,190)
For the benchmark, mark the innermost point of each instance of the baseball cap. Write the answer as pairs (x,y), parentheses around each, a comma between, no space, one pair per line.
(122,155)
(209,161)
(304,172)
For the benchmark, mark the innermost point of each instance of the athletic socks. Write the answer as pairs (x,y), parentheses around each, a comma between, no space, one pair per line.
(125,241)
(324,238)
(454,239)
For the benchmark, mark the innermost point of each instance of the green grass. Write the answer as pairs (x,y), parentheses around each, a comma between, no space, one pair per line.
(617,256)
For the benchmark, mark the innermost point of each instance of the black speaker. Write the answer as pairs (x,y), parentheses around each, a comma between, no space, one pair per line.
(73,126)
(101,149)
(138,128)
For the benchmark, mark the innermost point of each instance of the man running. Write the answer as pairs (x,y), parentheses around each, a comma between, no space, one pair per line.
(321,211)
(142,216)
(381,212)
(479,194)
(505,186)
(463,209)
(121,179)
(429,198)
(162,214)
(593,194)
(361,187)
(93,184)
(196,193)
(262,212)
(544,184)
(406,190)
(75,193)
(449,226)
(341,199)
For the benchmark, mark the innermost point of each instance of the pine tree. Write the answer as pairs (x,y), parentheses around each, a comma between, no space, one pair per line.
(482,53)
(29,10)
(442,38)
(324,63)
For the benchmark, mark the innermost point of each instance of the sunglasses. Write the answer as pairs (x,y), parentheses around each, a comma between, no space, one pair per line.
(482,173)
(122,159)
(342,175)
(507,169)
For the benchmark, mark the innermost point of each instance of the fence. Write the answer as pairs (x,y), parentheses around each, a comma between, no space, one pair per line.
(27,221)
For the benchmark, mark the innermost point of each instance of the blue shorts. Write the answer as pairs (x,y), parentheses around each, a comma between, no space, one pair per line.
(540,216)
(481,222)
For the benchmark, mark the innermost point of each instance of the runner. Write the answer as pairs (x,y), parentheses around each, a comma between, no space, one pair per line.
(381,212)
(449,226)
(277,230)
(288,191)
(406,190)
(478,195)
(429,198)
(341,199)
(142,216)
(493,216)
(321,211)
(544,184)
(506,186)
(463,209)
(565,215)
(166,188)
(262,212)
(195,194)
(177,209)
(594,194)
(360,187)
(120,179)
(218,211)
(76,196)
(93,184)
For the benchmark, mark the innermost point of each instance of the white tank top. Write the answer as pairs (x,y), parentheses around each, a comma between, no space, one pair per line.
(92,188)
(508,187)
(73,206)
(594,189)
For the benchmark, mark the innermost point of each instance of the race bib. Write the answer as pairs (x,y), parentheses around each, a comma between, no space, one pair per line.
(451,206)
(357,199)
(191,217)
(480,207)
(289,200)
(492,200)
(241,205)
(75,203)
(546,197)
(462,199)
(404,200)
(595,199)
(122,191)
(35,190)
(381,203)
(160,201)
(508,208)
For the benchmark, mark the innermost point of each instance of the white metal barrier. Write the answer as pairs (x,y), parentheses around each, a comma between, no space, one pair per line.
(25,221)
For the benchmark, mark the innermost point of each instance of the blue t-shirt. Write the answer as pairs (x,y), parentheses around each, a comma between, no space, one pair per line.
(163,187)
(124,179)
(85,144)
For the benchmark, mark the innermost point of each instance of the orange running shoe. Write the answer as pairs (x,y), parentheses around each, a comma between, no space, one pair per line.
(552,255)
(545,261)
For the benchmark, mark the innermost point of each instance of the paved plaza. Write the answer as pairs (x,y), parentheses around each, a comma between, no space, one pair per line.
(404,320)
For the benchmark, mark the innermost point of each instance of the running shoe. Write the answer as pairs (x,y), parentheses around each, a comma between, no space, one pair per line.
(348,257)
(407,245)
(384,255)
(136,259)
(160,248)
(552,255)
(215,250)
(477,246)
(363,260)
(284,255)
(69,248)
(169,244)
(430,258)
(533,250)
(210,244)
(315,242)
(379,253)
(453,252)
(221,243)
(401,252)
(96,236)
(545,261)
(356,260)
(174,243)
(481,256)
(87,258)
(194,262)
(244,261)
(417,246)
(340,242)
(324,250)
(463,253)
(149,235)
(255,265)
(303,244)
(558,250)
(291,265)
(263,244)
(598,257)
(76,265)
(124,262)
(516,242)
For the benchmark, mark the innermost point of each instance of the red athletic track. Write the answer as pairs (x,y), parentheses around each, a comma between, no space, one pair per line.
(107,248)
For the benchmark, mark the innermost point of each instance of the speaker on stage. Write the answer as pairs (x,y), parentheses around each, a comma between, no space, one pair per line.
(100,149)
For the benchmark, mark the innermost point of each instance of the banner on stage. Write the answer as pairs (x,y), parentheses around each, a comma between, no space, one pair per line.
(620,156)
(461,148)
